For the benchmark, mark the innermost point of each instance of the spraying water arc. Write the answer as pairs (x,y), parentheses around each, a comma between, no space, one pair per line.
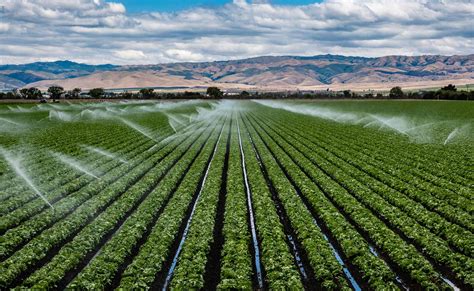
(174,122)
(15,164)
(9,121)
(451,135)
(137,128)
(104,153)
(74,164)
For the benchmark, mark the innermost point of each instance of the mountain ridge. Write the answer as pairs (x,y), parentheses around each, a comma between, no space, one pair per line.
(264,72)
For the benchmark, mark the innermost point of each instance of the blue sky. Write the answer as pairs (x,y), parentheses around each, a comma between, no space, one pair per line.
(134,6)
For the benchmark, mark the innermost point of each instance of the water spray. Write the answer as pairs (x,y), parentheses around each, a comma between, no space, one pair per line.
(73,164)
(9,121)
(138,128)
(104,153)
(15,164)
(451,135)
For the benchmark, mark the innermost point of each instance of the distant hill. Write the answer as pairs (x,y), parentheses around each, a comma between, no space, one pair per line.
(14,76)
(267,72)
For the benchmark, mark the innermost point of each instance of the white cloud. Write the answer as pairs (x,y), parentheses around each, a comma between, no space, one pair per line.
(183,55)
(130,55)
(99,31)
(4,27)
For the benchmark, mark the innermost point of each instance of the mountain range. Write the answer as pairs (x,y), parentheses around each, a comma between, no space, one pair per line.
(260,73)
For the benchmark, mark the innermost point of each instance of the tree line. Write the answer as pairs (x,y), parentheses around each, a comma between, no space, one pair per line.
(449,92)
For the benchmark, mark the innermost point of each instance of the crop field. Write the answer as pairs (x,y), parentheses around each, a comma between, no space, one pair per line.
(211,195)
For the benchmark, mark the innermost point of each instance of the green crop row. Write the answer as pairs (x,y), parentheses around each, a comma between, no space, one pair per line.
(147,190)
(48,173)
(193,258)
(398,179)
(119,178)
(458,237)
(326,268)
(371,269)
(434,247)
(67,175)
(393,162)
(236,259)
(32,209)
(321,172)
(34,251)
(279,265)
(402,168)
(430,159)
(35,160)
(149,262)
(376,147)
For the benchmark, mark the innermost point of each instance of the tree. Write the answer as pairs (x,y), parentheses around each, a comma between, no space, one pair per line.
(11,95)
(429,95)
(396,93)
(55,92)
(450,87)
(75,92)
(244,94)
(35,93)
(127,95)
(24,93)
(97,93)
(30,93)
(147,93)
(214,92)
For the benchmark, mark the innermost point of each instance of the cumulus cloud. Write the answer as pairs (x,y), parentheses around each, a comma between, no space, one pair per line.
(130,54)
(183,55)
(100,31)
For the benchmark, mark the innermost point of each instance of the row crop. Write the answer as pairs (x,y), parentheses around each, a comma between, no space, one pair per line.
(194,250)
(125,174)
(148,268)
(404,181)
(279,265)
(34,251)
(35,159)
(370,268)
(236,258)
(67,175)
(353,205)
(329,273)
(458,237)
(439,162)
(120,220)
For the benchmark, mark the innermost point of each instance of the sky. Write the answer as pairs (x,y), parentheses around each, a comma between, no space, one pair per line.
(140,6)
(150,32)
